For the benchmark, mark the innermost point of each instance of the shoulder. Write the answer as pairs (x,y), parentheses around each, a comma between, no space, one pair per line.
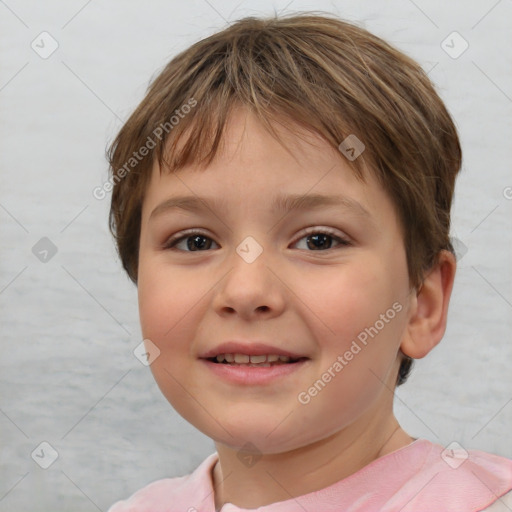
(452,477)
(180,493)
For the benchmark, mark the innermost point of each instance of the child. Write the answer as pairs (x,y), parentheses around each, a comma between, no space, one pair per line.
(253,148)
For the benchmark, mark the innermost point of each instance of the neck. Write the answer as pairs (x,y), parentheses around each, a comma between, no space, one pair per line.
(282,476)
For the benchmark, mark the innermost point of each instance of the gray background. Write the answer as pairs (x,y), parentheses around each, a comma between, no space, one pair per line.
(70,324)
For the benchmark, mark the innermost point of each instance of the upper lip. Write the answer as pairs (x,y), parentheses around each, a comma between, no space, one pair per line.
(250,348)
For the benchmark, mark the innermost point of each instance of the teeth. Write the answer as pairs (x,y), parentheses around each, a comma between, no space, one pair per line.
(258,359)
(242,358)
(261,360)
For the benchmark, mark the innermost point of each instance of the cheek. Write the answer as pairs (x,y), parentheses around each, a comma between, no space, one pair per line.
(152,309)
(164,298)
(349,298)
(166,309)
(360,317)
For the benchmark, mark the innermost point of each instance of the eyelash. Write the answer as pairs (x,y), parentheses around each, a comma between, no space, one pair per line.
(174,240)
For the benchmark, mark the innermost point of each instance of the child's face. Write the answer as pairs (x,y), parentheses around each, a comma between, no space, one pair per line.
(308,295)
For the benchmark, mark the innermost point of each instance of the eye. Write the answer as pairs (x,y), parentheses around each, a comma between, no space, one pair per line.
(192,240)
(320,239)
(317,239)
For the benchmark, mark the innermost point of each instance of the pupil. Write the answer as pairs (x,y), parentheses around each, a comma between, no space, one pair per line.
(195,240)
(320,237)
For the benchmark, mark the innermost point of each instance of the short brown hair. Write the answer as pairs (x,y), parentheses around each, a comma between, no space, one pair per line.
(317,72)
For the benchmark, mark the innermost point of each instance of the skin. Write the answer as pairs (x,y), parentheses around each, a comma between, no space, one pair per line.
(312,302)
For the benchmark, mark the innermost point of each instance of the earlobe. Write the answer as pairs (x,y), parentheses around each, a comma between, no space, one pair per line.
(429,309)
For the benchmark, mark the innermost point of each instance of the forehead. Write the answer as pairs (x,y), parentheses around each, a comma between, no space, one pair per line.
(203,136)
(248,137)
(255,172)
(281,145)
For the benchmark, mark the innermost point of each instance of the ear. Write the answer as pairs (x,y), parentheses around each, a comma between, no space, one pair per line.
(429,308)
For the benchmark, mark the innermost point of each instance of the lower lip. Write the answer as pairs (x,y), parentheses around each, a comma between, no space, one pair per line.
(252,375)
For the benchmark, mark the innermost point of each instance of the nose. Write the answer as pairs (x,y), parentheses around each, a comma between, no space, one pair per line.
(250,289)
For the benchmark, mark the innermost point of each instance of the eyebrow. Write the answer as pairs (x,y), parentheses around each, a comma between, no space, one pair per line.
(280,204)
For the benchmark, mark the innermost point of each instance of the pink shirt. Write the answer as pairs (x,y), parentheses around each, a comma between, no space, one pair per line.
(415,478)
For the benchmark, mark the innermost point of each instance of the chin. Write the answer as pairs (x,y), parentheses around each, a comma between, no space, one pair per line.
(238,431)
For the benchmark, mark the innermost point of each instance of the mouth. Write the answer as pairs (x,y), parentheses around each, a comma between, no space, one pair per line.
(252,363)
(249,370)
(254,360)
